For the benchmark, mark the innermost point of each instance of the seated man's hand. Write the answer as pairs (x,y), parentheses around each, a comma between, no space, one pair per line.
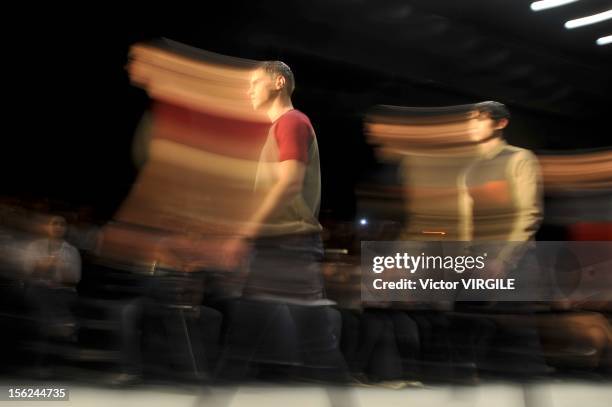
(47,262)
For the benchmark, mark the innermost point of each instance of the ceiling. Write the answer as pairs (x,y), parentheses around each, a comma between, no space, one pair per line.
(485,48)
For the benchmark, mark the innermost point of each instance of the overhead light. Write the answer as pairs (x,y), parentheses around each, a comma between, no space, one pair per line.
(604,40)
(546,4)
(595,18)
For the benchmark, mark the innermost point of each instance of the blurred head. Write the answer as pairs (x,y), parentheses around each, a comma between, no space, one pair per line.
(270,80)
(56,227)
(490,118)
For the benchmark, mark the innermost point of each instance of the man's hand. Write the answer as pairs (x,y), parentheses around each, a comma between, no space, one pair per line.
(47,263)
(235,253)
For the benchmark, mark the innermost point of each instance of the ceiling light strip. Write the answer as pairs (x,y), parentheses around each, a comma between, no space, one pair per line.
(546,4)
(604,40)
(595,18)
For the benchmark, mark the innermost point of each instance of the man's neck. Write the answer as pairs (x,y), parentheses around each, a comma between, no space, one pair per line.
(279,107)
(490,145)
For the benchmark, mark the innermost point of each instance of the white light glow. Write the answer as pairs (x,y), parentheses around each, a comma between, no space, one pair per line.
(604,40)
(595,18)
(363,221)
(546,4)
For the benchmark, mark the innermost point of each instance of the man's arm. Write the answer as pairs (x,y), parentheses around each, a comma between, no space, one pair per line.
(527,185)
(526,180)
(465,223)
(287,187)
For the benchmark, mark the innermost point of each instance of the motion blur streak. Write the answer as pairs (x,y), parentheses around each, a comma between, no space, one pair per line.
(198,145)
(578,171)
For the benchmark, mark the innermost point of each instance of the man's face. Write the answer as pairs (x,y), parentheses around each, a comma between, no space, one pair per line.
(56,227)
(262,89)
(483,126)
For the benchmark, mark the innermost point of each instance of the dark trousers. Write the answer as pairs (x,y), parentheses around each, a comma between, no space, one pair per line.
(304,337)
(167,334)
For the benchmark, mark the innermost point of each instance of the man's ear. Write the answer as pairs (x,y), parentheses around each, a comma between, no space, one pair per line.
(501,124)
(279,83)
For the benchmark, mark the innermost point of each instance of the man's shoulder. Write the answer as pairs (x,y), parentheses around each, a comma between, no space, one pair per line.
(509,148)
(293,124)
(520,153)
(38,244)
(294,117)
(516,153)
(69,248)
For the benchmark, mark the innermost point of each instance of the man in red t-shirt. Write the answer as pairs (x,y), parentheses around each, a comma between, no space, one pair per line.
(283,307)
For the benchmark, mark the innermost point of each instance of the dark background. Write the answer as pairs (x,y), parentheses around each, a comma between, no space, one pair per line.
(70,123)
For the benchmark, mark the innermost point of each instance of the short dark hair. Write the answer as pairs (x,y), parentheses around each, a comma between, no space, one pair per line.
(496,110)
(274,68)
